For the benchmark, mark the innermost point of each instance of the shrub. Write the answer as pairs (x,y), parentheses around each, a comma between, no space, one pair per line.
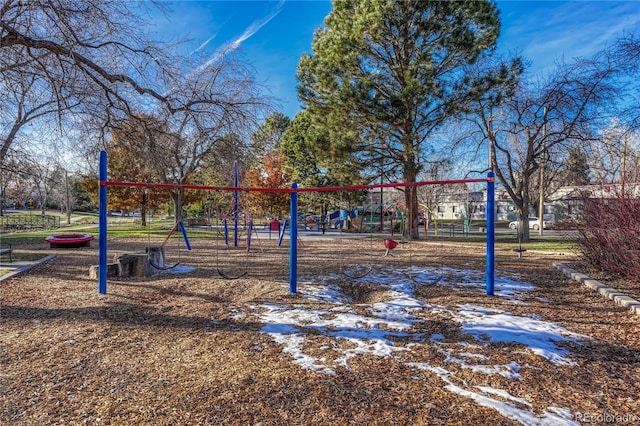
(609,234)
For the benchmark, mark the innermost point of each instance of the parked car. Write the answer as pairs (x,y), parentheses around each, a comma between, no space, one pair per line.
(533,224)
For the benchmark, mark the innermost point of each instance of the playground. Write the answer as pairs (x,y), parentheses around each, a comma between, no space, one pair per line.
(415,340)
(252,324)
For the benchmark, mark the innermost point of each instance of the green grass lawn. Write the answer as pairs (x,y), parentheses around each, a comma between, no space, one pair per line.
(119,227)
(116,228)
(28,257)
(563,245)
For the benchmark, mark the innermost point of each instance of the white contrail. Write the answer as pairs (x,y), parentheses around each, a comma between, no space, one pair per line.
(203,45)
(255,26)
(246,34)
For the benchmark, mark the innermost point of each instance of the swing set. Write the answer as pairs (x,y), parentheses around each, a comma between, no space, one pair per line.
(293,192)
(245,270)
(235,244)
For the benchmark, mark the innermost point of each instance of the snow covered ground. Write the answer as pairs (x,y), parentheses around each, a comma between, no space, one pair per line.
(389,329)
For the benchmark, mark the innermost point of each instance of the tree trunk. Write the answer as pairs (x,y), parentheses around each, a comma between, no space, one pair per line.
(523,222)
(176,197)
(67,196)
(2,192)
(411,200)
(143,209)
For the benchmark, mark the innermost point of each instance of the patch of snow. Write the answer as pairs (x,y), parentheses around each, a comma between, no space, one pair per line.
(491,325)
(385,328)
(323,293)
(511,408)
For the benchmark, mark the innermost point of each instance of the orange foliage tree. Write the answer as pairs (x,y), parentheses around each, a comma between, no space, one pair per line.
(270,175)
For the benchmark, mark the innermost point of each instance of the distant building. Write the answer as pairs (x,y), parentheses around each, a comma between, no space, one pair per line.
(568,201)
(455,203)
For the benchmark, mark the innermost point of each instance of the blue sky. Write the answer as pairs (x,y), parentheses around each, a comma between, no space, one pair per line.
(272,35)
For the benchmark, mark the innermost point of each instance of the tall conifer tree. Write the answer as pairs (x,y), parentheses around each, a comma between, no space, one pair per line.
(385,74)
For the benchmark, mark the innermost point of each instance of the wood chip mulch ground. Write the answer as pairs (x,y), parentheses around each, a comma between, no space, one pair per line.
(190,347)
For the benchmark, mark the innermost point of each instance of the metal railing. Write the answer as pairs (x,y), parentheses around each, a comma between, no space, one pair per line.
(24,222)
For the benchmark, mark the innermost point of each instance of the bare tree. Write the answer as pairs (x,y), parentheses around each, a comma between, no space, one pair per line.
(430,196)
(44,175)
(534,125)
(614,156)
(61,194)
(28,99)
(226,107)
(57,56)
(92,57)
(625,54)
(89,63)
(13,186)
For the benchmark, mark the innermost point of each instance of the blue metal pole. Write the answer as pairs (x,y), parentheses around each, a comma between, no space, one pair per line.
(491,223)
(184,235)
(293,241)
(235,205)
(102,227)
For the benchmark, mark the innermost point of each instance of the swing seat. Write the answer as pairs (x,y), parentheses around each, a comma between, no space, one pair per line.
(230,277)
(357,273)
(155,256)
(162,268)
(390,244)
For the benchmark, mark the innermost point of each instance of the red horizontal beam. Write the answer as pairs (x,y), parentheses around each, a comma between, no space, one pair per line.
(290,190)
